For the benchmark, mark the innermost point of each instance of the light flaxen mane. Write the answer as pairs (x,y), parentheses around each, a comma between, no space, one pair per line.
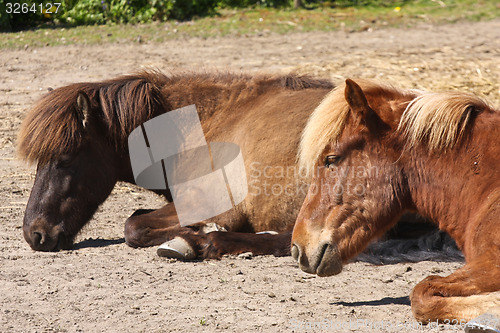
(325,125)
(327,122)
(438,120)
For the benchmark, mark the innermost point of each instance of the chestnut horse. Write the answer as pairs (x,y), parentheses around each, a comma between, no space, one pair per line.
(374,152)
(78,135)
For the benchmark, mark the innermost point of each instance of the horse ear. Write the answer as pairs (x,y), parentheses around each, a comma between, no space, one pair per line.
(356,99)
(82,107)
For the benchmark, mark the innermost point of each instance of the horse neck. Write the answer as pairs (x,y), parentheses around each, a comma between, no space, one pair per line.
(454,188)
(212,99)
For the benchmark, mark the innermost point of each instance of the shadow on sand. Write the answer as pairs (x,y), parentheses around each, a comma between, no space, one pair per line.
(99,242)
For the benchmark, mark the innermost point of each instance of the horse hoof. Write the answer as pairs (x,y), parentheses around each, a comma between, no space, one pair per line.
(176,248)
(211,227)
(485,323)
(270,232)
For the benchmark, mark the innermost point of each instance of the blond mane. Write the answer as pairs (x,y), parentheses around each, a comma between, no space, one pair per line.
(327,122)
(437,120)
(325,125)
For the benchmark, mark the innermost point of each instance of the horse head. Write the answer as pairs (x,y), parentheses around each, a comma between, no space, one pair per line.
(357,188)
(74,169)
(77,135)
(374,152)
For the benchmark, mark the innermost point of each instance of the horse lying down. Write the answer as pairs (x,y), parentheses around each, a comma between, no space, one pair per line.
(78,135)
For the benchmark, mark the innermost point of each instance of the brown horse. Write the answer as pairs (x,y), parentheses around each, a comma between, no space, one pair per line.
(78,136)
(374,152)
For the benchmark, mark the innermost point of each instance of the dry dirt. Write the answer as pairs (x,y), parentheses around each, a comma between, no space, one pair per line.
(105,286)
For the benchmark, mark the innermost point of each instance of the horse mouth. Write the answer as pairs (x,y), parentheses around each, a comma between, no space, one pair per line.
(63,243)
(329,261)
(40,242)
(325,261)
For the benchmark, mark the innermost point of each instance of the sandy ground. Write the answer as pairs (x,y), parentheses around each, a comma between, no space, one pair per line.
(105,286)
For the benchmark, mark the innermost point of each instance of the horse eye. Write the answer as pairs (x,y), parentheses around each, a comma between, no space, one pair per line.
(64,162)
(331,160)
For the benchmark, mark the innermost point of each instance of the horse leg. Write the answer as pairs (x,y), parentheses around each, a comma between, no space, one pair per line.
(152,227)
(220,243)
(465,294)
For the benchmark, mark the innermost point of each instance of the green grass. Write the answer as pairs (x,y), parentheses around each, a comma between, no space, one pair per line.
(262,21)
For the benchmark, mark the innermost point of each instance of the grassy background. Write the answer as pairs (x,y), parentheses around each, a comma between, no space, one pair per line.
(262,21)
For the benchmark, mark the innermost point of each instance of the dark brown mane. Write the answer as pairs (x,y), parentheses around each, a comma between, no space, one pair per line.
(53,128)
(127,101)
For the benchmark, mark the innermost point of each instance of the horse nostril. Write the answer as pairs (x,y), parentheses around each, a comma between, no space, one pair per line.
(322,251)
(38,238)
(295,252)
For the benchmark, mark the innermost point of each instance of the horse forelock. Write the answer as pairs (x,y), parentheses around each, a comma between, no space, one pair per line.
(326,124)
(439,120)
(436,120)
(128,101)
(52,127)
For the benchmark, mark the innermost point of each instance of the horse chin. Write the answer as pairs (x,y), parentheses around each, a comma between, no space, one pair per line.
(329,270)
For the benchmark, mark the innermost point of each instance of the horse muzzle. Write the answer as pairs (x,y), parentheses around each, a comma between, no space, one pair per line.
(322,260)
(43,237)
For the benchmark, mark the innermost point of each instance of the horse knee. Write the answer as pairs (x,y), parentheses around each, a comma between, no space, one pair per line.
(426,301)
(133,233)
(419,301)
